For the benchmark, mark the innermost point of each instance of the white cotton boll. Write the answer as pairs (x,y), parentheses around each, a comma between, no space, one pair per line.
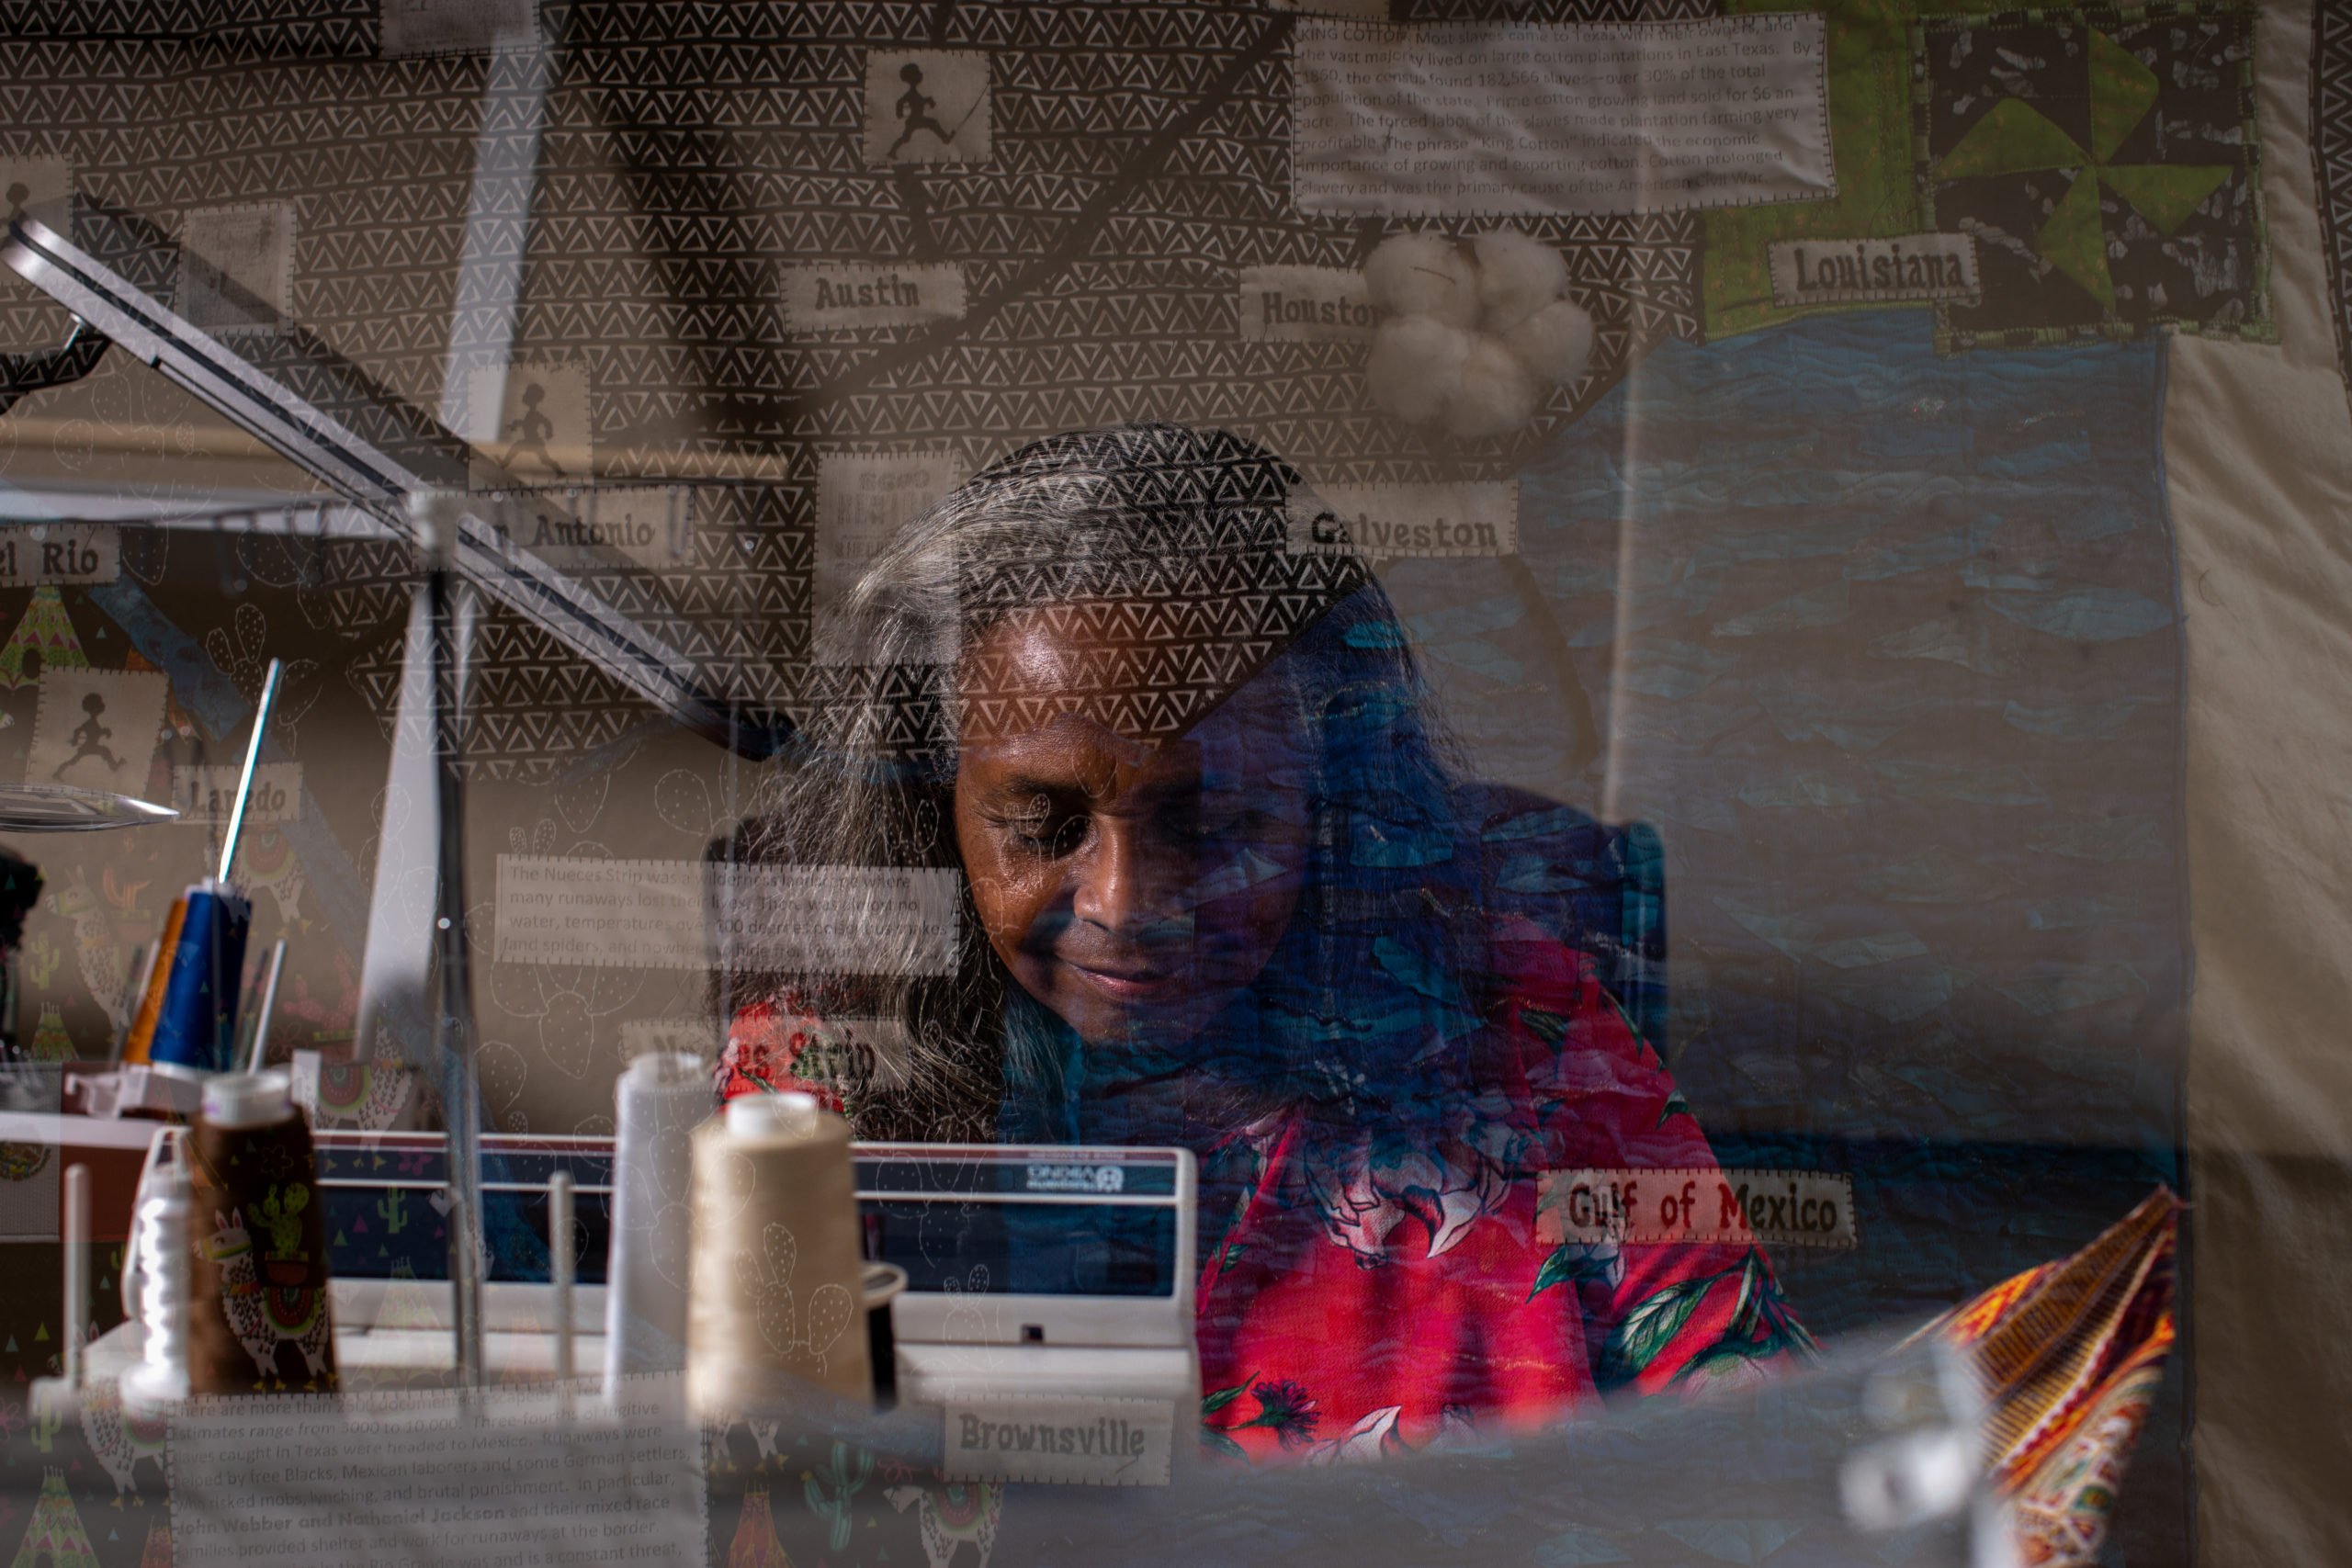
(1496,396)
(1423,275)
(1555,342)
(1416,365)
(1517,277)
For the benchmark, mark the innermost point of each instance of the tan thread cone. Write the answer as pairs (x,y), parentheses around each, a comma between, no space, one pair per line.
(775,1269)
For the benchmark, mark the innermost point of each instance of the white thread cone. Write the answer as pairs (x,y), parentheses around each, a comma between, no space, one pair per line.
(658,1104)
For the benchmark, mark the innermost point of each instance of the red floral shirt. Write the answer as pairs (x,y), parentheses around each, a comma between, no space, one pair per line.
(1416,1294)
(1370,1304)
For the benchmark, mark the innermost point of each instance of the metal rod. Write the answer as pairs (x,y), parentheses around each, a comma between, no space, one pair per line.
(77,1269)
(560,1268)
(450,618)
(258,1052)
(323,447)
(252,757)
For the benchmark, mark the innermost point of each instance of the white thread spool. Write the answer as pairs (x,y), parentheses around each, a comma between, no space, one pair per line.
(159,1244)
(658,1104)
(776,1275)
(162,1153)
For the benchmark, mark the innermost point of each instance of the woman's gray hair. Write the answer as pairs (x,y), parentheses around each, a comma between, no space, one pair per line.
(1187,533)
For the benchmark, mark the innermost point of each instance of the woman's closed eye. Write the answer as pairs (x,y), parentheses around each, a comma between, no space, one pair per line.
(1041,825)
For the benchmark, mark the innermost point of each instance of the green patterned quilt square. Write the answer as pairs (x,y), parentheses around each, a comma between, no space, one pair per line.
(2106,164)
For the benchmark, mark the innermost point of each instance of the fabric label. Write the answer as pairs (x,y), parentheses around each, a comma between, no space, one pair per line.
(210,794)
(455,27)
(849,1056)
(856,1055)
(851,919)
(40,186)
(1095,1442)
(1913,266)
(634,914)
(35,553)
(650,525)
(863,500)
(1525,119)
(290,1481)
(927,107)
(825,296)
(1305,304)
(533,420)
(1774,1208)
(97,729)
(237,266)
(1384,522)
(648,914)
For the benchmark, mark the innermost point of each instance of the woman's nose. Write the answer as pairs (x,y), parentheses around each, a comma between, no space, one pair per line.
(1123,886)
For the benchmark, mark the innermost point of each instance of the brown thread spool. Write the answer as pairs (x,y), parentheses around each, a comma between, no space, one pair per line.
(775,1278)
(258,1316)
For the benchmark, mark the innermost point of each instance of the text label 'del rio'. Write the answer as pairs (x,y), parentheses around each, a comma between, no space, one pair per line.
(37,553)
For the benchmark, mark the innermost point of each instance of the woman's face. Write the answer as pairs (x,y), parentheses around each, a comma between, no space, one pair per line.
(1131,887)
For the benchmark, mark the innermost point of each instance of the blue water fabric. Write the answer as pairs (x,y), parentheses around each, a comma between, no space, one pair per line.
(1896,675)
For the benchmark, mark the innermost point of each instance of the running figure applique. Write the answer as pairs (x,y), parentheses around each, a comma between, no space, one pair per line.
(927,109)
(531,429)
(90,737)
(914,107)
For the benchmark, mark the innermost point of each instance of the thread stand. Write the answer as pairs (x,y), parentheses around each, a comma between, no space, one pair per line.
(63,1395)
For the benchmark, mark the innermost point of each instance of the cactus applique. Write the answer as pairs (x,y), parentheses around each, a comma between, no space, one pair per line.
(283,1216)
(829,1499)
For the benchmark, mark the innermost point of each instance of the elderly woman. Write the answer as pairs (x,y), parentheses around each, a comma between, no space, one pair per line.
(1217,898)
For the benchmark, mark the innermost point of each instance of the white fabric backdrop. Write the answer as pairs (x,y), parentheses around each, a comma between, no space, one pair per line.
(2258,448)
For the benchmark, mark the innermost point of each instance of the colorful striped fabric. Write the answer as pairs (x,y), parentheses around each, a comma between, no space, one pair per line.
(2071,1353)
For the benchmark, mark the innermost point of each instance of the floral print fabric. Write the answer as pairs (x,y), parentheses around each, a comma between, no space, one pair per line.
(1410,1297)
(1401,1292)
